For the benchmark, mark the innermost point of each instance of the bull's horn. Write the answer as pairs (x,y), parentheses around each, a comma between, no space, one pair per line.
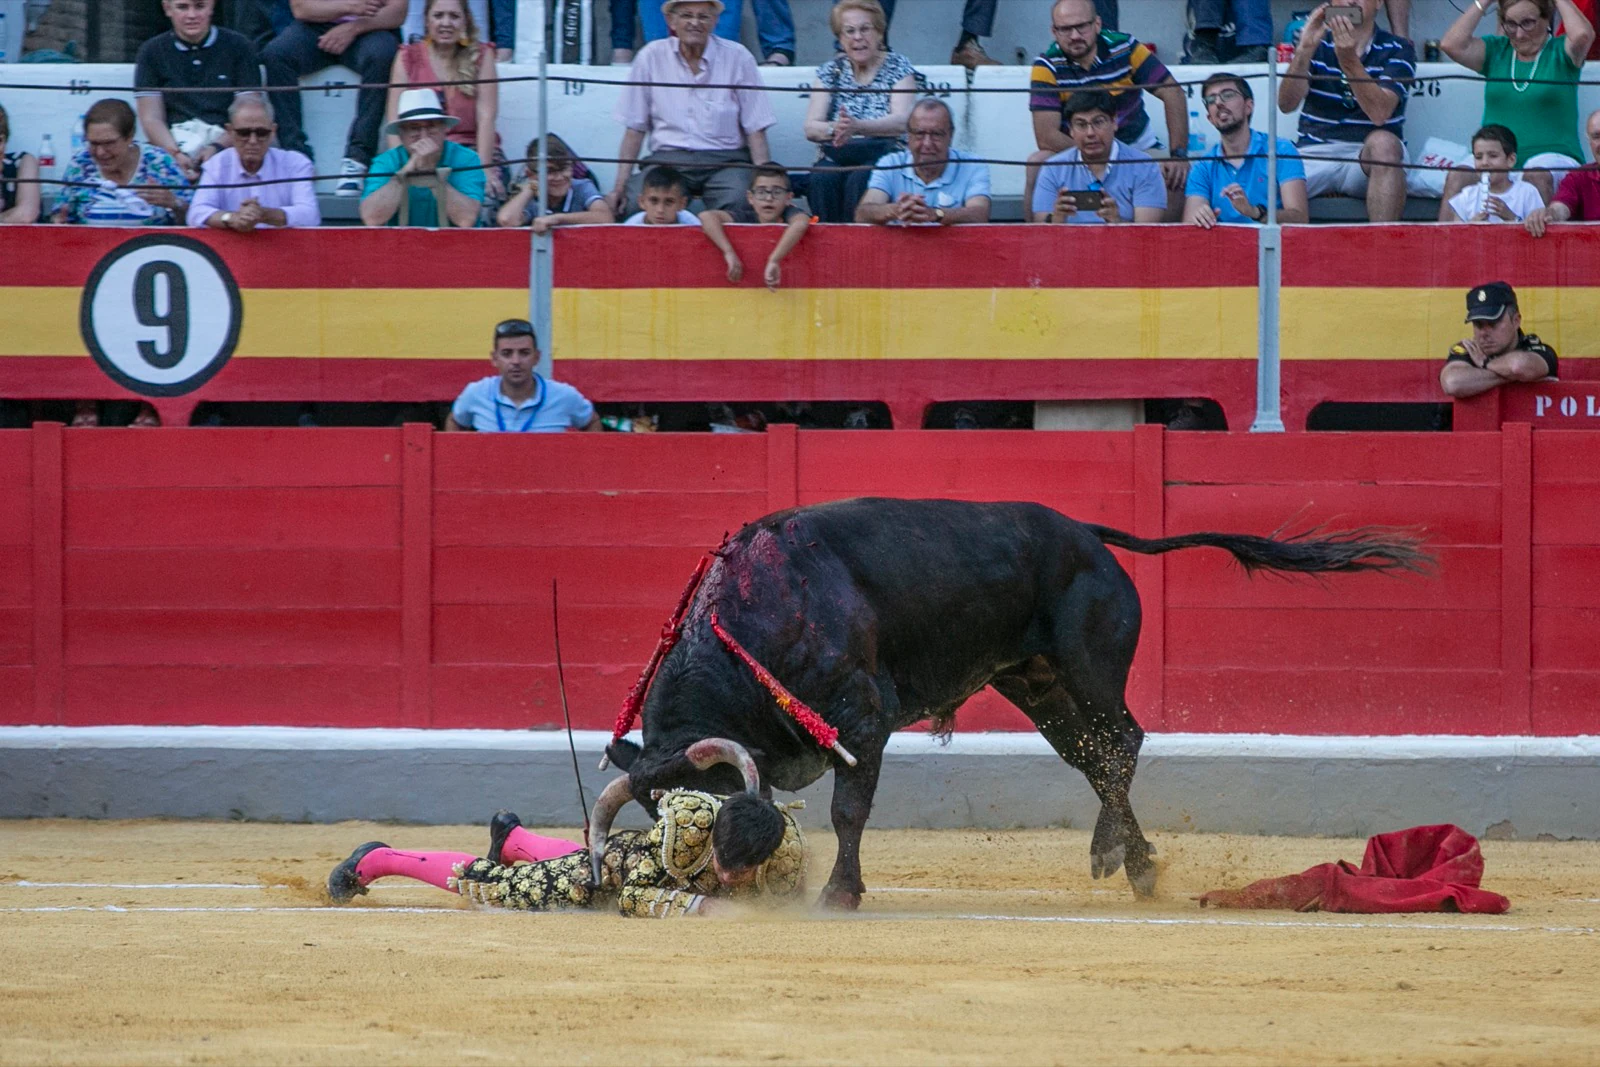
(606,806)
(714,750)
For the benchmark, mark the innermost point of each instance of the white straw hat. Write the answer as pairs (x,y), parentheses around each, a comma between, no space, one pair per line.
(419,105)
(666,8)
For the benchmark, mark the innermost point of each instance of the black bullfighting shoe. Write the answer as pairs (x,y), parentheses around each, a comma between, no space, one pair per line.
(500,828)
(343,885)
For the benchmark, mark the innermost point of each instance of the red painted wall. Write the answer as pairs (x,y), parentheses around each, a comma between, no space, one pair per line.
(402,577)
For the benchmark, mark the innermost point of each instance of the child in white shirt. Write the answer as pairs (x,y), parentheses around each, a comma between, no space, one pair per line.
(663,200)
(1497,196)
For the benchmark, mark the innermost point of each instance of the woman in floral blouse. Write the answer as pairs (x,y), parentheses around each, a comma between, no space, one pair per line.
(859,107)
(112,162)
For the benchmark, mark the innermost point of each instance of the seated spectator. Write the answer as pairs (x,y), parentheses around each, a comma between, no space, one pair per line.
(359,34)
(1085,55)
(930,185)
(663,201)
(624,22)
(774,26)
(452,52)
(192,127)
(856,128)
(111,160)
(429,180)
(253,186)
(770,200)
(1498,351)
(977,21)
(516,398)
(497,19)
(1541,107)
(1499,196)
(1578,197)
(1099,179)
(710,135)
(19,173)
(1352,79)
(1230,183)
(572,201)
(1252,31)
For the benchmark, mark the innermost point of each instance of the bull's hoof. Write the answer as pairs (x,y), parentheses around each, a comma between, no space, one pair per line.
(835,899)
(1105,864)
(1144,883)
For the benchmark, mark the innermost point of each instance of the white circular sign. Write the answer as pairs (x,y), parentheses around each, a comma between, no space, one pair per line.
(161,314)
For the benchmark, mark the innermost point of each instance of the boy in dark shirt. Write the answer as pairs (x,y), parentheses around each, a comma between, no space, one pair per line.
(192,127)
(769,200)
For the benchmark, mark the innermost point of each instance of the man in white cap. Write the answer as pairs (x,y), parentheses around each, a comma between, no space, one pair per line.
(712,136)
(1498,351)
(427,180)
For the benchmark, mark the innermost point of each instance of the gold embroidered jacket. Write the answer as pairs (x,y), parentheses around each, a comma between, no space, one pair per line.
(657,873)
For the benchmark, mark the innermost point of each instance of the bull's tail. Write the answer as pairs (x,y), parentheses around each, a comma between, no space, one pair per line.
(1364,548)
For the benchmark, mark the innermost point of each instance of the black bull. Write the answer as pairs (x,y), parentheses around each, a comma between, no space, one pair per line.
(880,613)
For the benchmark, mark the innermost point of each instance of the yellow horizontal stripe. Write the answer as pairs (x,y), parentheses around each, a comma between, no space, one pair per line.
(1392,324)
(893,324)
(299,323)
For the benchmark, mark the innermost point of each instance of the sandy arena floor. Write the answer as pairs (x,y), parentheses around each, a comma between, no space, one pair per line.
(977,947)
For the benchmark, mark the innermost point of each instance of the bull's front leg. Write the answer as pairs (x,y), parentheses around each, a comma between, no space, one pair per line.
(853,788)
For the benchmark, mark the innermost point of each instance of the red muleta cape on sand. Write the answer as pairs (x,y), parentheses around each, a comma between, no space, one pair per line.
(1425,868)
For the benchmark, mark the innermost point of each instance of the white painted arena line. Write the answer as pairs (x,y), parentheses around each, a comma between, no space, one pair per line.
(25,884)
(1083,920)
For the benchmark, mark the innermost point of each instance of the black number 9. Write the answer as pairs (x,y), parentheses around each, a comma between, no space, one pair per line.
(175,321)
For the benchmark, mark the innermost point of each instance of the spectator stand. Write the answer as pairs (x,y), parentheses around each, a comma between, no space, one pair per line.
(991,123)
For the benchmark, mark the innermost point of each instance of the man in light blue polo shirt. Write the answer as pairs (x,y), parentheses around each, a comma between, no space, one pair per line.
(1230,183)
(519,400)
(1099,179)
(930,185)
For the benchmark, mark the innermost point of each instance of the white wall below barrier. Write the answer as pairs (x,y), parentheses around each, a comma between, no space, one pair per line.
(993,125)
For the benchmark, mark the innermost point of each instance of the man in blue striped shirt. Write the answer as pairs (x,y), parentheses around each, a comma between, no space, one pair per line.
(1352,79)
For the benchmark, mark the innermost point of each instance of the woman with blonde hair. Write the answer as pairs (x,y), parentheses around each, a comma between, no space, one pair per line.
(454,57)
(859,108)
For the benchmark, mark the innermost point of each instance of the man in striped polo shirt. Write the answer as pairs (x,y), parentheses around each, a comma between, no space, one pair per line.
(1352,80)
(1086,56)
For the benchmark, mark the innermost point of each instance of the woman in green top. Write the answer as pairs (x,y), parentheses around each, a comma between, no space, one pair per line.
(1530,83)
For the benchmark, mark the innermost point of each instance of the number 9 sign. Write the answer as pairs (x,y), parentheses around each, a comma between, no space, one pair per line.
(161,314)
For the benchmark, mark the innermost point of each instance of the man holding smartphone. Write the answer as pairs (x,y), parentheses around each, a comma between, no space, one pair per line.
(1352,79)
(1099,179)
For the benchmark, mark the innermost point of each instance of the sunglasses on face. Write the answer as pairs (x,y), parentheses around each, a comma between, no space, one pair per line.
(253,133)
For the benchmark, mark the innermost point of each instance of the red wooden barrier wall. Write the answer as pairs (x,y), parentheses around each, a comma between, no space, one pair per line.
(402,577)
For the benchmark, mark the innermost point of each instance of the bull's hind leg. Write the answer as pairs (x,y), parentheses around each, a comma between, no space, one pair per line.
(1107,754)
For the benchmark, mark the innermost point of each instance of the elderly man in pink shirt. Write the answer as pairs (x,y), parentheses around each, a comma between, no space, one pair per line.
(713,136)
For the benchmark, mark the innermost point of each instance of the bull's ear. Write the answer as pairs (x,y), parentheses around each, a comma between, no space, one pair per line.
(623,753)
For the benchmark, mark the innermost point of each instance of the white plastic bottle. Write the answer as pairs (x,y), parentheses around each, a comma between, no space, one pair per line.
(77,133)
(47,156)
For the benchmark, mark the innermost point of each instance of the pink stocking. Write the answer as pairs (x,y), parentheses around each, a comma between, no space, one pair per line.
(524,847)
(430,867)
